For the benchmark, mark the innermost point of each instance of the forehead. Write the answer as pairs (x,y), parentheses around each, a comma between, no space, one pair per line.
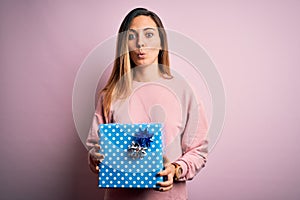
(141,22)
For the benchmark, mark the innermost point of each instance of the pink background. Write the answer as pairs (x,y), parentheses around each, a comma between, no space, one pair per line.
(254,44)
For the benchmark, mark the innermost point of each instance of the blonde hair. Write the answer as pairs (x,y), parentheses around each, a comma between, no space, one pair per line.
(120,80)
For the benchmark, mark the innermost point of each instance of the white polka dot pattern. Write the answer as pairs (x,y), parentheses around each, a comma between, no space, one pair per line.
(118,170)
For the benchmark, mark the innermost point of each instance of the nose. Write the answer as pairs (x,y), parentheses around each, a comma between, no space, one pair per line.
(140,41)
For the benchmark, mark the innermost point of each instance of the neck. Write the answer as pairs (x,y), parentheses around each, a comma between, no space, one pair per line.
(146,73)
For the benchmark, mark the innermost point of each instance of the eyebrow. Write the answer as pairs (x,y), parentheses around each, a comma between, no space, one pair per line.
(145,29)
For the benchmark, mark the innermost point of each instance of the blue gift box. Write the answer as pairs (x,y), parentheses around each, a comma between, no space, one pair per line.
(133,155)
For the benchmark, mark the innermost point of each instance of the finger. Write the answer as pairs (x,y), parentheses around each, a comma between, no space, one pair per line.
(165,172)
(163,189)
(97,146)
(96,159)
(98,155)
(169,169)
(165,183)
(94,168)
(168,182)
(93,164)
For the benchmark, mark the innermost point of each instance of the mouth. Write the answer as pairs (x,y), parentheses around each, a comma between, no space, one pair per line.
(141,55)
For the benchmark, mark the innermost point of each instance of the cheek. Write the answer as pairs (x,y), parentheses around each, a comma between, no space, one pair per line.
(154,47)
(154,44)
(131,45)
(132,56)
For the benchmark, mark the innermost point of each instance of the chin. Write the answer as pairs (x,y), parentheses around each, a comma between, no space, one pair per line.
(143,63)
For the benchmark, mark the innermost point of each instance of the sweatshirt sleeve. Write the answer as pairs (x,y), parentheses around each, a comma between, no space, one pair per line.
(194,139)
(93,138)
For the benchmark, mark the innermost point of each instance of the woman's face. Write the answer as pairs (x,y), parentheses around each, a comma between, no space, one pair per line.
(143,41)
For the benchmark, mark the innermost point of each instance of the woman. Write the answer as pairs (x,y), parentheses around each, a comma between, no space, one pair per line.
(141,60)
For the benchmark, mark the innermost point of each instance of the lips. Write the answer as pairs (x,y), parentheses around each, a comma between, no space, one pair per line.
(141,55)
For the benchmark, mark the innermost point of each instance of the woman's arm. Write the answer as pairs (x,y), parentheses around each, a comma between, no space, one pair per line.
(194,145)
(92,141)
(194,140)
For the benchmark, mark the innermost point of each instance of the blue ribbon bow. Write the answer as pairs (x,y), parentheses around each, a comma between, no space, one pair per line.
(138,147)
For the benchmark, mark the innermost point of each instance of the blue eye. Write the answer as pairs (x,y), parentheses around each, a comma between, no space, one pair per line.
(131,36)
(149,35)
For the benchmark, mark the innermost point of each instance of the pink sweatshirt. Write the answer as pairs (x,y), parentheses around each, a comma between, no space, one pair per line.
(173,103)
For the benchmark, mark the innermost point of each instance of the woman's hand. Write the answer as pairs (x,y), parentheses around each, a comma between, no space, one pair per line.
(168,172)
(95,158)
